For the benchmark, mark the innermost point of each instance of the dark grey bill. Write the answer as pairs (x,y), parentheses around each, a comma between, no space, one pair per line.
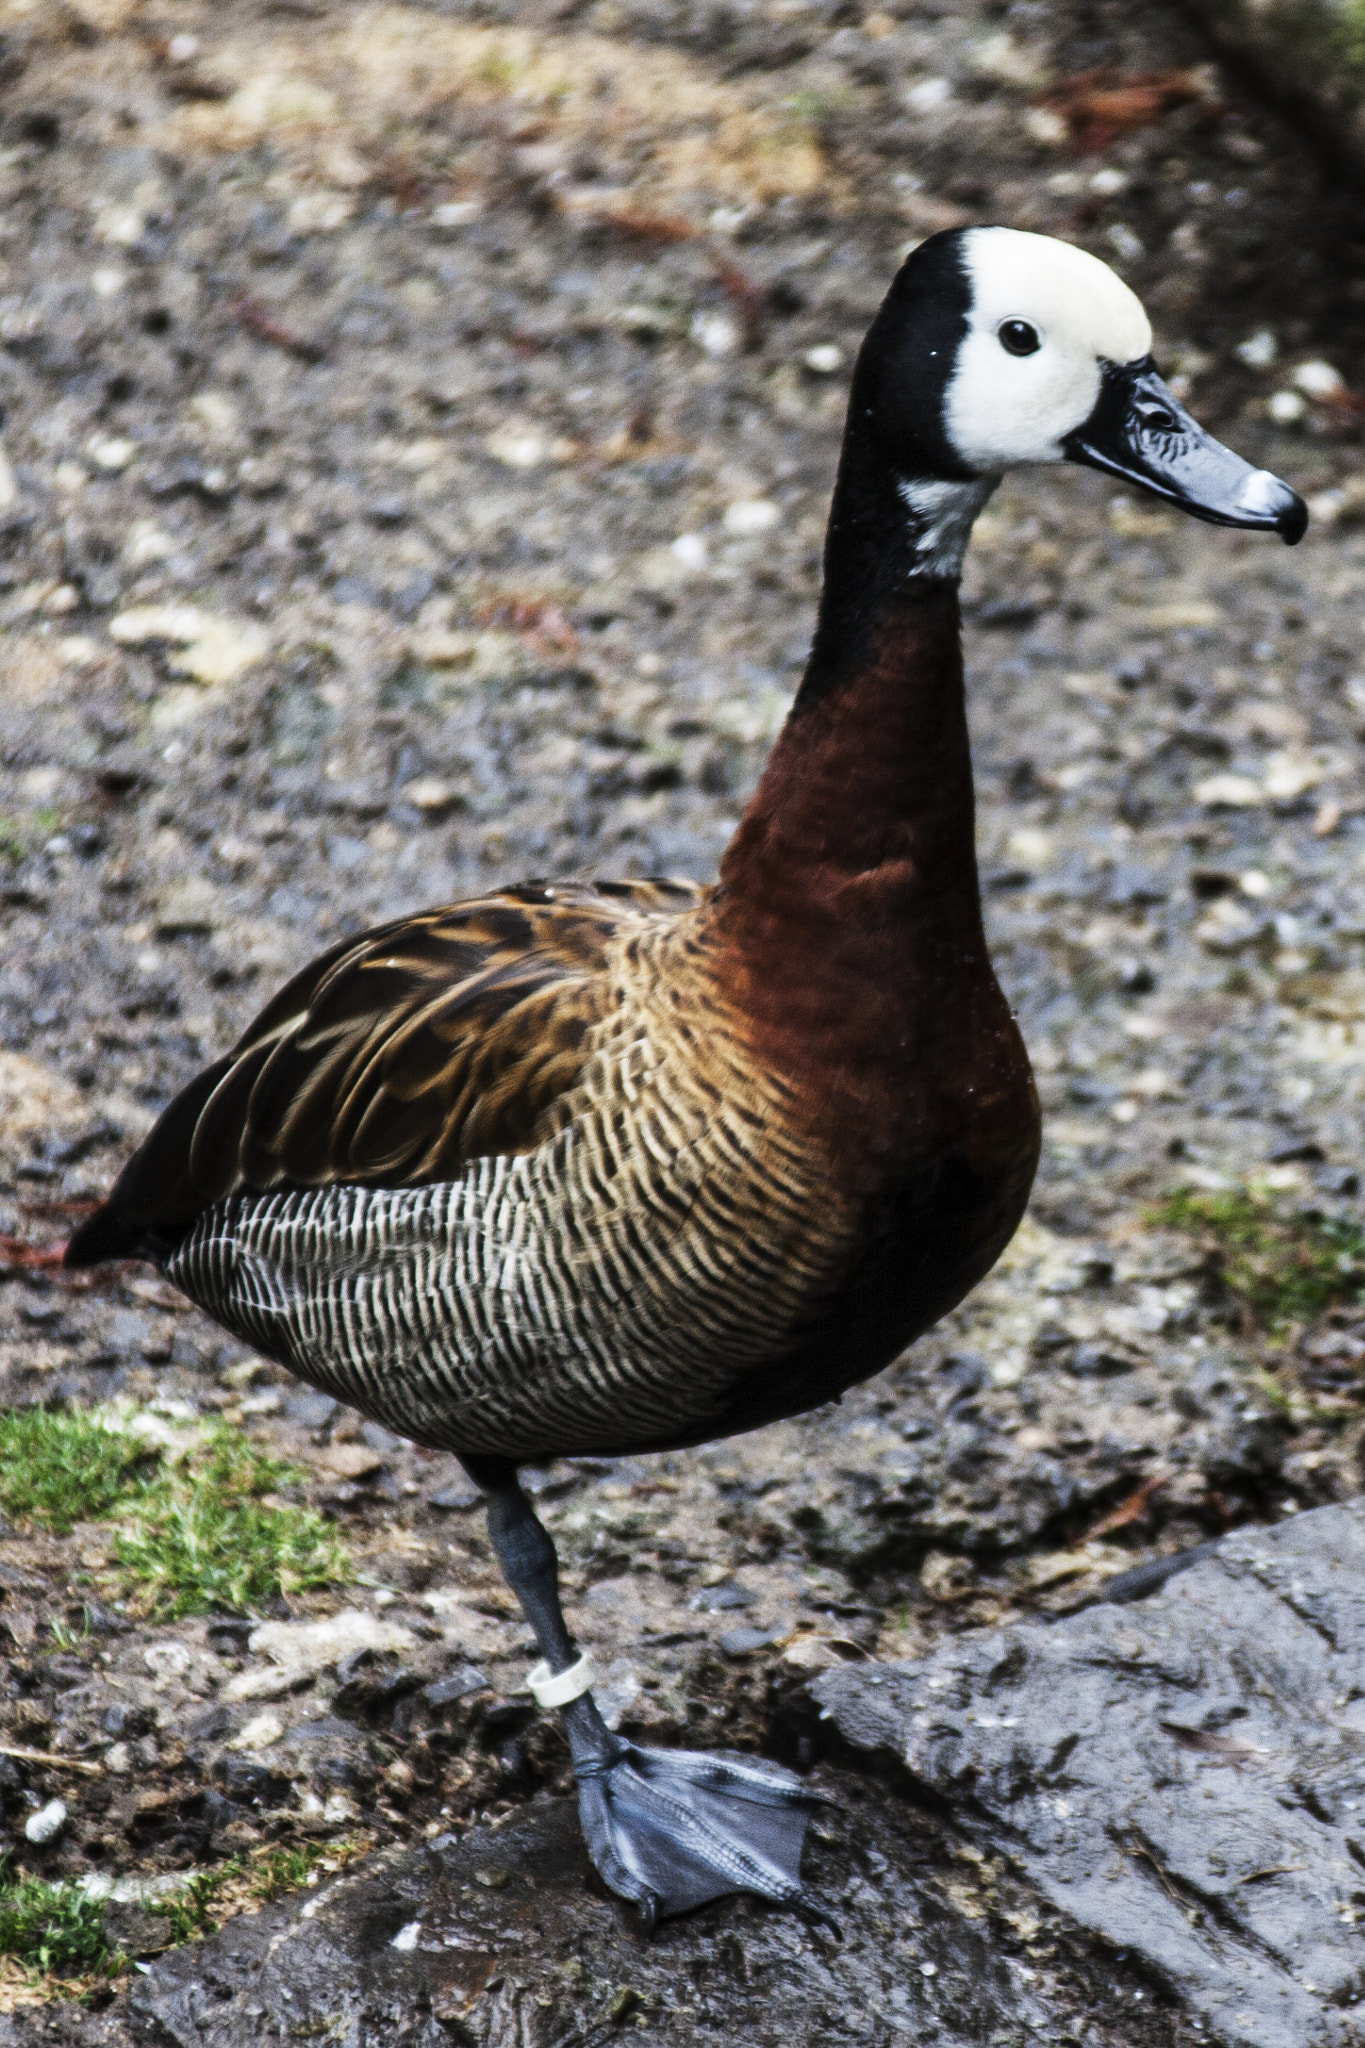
(1140,431)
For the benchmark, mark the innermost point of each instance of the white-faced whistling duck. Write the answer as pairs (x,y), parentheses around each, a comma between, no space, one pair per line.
(576,1170)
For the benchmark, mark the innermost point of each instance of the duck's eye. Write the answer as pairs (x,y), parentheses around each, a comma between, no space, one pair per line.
(1017,338)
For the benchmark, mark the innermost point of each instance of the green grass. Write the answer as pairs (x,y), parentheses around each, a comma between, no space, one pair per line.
(207,1537)
(192,1911)
(196,1534)
(287,1870)
(211,1896)
(1285,1266)
(60,1469)
(54,1930)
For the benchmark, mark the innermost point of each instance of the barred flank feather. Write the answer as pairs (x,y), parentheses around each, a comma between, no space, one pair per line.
(611,1288)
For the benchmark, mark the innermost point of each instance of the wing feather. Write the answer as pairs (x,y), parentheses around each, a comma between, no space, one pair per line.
(391,1061)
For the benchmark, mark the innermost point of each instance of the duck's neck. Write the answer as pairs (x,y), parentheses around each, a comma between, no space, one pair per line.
(849,898)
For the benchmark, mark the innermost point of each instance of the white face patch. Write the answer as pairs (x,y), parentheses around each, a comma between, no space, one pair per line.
(944,514)
(1001,408)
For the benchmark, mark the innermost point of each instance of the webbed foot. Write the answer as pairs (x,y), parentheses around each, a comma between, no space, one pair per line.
(670,1829)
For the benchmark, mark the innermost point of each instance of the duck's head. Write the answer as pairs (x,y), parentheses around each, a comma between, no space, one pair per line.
(996,347)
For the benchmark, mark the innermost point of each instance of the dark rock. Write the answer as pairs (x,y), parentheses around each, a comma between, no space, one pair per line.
(719,1599)
(1146,1579)
(457,1497)
(742,1642)
(1183,1777)
(363,1694)
(456,1685)
(1246,1450)
(250,1781)
(211,1726)
(136,1930)
(231,1632)
(125,1722)
(509,1939)
(314,1411)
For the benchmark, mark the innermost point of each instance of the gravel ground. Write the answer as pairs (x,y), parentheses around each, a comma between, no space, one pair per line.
(419,433)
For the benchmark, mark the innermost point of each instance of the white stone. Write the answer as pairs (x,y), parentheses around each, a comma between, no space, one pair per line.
(1319,380)
(1232,792)
(1127,246)
(691,550)
(750,516)
(1286,408)
(300,1649)
(47,1823)
(320,213)
(213,649)
(111,451)
(826,359)
(518,448)
(429,793)
(717,334)
(1291,774)
(146,543)
(454,213)
(928,94)
(259,1733)
(1259,351)
(1044,126)
(405,1941)
(216,411)
(168,1659)
(78,650)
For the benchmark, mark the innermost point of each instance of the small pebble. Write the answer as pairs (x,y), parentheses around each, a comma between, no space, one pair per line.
(691,550)
(751,515)
(1259,350)
(47,1823)
(826,359)
(1286,408)
(111,452)
(1319,380)
(428,793)
(717,335)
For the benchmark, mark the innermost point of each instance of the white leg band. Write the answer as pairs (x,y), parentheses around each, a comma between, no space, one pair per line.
(556,1689)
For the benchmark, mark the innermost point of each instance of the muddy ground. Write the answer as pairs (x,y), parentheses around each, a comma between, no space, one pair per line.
(419,424)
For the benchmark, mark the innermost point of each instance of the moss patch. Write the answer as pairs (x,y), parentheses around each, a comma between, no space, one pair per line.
(213,1534)
(54,1930)
(62,1469)
(1286,1266)
(200,1532)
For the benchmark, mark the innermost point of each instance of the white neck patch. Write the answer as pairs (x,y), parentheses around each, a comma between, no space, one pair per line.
(944,514)
(1000,408)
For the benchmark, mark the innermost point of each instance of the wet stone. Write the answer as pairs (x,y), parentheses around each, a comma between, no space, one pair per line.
(508,1938)
(1182,1775)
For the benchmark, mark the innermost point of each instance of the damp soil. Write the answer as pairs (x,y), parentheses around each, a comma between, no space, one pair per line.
(419,425)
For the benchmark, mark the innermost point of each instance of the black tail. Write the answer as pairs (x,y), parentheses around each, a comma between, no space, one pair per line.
(110,1233)
(154,1201)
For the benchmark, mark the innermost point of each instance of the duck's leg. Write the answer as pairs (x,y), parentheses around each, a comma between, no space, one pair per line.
(668,1829)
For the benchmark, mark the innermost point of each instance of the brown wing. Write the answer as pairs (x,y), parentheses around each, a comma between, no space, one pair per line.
(390,1061)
